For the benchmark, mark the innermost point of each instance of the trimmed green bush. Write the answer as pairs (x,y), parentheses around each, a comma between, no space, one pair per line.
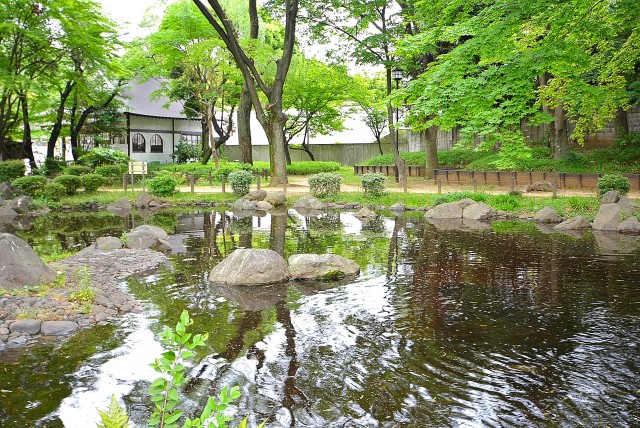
(163,184)
(240,181)
(77,170)
(613,182)
(374,184)
(30,185)
(53,191)
(71,182)
(91,182)
(103,156)
(54,166)
(184,151)
(309,167)
(324,184)
(11,169)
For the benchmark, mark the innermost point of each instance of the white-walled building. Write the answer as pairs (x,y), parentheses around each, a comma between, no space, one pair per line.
(154,127)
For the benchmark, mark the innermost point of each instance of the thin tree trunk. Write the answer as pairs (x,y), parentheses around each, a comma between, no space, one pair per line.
(27,144)
(620,124)
(547,128)
(244,125)
(277,151)
(379,140)
(431,135)
(57,126)
(305,144)
(561,138)
(212,143)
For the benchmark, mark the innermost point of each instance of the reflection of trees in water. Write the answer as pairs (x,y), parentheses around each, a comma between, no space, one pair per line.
(327,222)
(374,225)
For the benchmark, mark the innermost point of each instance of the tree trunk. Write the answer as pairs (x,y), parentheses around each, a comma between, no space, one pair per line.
(27,144)
(548,128)
(561,138)
(431,135)
(379,140)
(212,143)
(274,128)
(305,144)
(278,234)
(244,125)
(620,124)
(57,126)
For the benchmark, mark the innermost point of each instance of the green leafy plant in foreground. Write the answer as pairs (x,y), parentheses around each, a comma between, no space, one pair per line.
(164,390)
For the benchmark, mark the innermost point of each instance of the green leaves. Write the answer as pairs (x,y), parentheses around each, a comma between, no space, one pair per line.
(114,417)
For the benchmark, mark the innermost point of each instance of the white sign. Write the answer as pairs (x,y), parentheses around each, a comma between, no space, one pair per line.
(137,168)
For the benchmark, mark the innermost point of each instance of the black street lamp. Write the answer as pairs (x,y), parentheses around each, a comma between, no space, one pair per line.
(397,76)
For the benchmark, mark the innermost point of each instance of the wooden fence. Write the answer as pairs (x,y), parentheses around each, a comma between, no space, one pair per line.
(564,180)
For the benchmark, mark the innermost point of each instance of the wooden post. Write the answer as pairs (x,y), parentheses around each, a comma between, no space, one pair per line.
(258,181)
(131,182)
(192,181)
(475,184)
(439,186)
(554,187)
(124,182)
(404,179)
(223,183)
(210,178)
(513,183)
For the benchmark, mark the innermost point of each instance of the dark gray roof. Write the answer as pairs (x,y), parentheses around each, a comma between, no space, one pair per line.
(138,99)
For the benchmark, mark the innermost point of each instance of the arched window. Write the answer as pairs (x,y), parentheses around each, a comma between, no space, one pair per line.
(138,143)
(156,144)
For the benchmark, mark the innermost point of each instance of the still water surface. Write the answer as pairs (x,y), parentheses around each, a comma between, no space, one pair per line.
(488,326)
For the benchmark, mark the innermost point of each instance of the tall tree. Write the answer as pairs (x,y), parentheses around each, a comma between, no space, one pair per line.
(314,100)
(367,30)
(269,111)
(489,82)
(370,96)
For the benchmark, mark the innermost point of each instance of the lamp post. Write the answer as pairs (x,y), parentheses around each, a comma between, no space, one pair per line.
(397,76)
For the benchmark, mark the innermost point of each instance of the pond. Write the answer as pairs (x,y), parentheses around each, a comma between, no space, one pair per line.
(484,325)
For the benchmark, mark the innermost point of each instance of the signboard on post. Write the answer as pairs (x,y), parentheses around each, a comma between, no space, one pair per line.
(138,168)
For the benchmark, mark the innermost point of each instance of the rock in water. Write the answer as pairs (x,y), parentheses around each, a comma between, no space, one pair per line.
(276,198)
(608,217)
(308,202)
(547,215)
(321,266)
(121,206)
(251,267)
(256,195)
(577,223)
(478,211)
(449,210)
(19,264)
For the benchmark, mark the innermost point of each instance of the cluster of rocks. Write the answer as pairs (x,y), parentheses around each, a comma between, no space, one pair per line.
(465,208)
(24,317)
(260,200)
(252,267)
(141,238)
(13,206)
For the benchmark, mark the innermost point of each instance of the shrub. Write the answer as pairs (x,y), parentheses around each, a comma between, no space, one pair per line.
(11,169)
(31,185)
(77,170)
(373,183)
(103,156)
(324,184)
(183,152)
(163,184)
(91,182)
(240,181)
(70,182)
(53,191)
(308,168)
(112,172)
(613,182)
(54,166)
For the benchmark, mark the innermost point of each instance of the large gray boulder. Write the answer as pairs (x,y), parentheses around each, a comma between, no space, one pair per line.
(610,197)
(365,213)
(243,204)
(145,200)
(449,210)
(121,206)
(464,203)
(141,240)
(152,230)
(398,207)
(308,202)
(478,211)
(547,215)
(19,264)
(256,195)
(608,217)
(25,326)
(321,266)
(576,223)
(58,328)
(106,243)
(276,198)
(21,204)
(628,206)
(7,214)
(629,226)
(7,191)
(263,205)
(251,267)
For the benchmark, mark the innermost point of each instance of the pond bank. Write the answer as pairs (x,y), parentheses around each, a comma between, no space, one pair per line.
(55,311)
